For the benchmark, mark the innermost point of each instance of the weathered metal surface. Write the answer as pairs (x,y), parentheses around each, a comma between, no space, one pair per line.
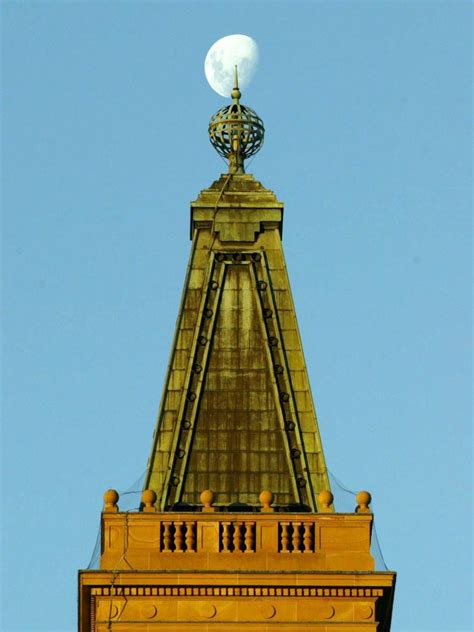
(236,131)
(238,441)
(237,413)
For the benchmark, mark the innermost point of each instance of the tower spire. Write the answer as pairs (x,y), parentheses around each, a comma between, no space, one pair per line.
(236,94)
(237,368)
(236,485)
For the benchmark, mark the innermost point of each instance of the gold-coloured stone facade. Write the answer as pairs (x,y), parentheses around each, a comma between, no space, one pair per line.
(267,571)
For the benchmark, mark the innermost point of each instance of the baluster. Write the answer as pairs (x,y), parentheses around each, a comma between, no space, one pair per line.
(226,539)
(160,540)
(190,537)
(308,538)
(285,537)
(237,536)
(249,537)
(296,537)
(167,539)
(178,537)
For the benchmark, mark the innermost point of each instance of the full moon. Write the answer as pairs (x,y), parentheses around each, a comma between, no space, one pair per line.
(227,52)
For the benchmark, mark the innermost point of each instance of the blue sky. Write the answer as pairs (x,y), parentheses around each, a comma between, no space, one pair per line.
(367,108)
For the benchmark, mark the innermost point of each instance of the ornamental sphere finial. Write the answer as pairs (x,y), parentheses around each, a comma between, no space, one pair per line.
(207,498)
(363,501)
(236,132)
(325,500)
(111,498)
(266,498)
(148,500)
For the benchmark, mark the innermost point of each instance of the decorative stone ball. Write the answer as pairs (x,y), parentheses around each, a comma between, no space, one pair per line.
(207,496)
(325,498)
(148,497)
(266,498)
(363,500)
(111,497)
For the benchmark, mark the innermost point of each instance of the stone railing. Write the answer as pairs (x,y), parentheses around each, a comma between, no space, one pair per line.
(180,540)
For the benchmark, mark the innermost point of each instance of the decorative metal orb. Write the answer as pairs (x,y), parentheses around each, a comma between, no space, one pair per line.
(236,122)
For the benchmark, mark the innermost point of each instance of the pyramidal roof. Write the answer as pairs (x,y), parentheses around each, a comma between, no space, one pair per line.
(237,415)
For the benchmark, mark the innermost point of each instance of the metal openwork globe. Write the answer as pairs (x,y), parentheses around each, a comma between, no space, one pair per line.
(236,132)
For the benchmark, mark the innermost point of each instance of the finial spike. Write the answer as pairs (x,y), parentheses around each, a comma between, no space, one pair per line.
(236,94)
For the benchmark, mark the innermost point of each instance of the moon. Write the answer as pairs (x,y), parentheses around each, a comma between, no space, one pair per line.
(227,52)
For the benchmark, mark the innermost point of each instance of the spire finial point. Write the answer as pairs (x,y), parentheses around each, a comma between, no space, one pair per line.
(236,94)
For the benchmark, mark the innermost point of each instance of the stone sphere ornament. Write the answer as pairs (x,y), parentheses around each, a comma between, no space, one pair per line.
(207,498)
(363,501)
(325,499)
(111,498)
(148,500)
(266,498)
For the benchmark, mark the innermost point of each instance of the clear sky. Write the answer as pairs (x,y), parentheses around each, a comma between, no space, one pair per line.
(368,142)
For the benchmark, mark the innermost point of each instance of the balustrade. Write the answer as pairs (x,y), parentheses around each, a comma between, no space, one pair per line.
(177,536)
(216,532)
(296,536)
(236,536)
